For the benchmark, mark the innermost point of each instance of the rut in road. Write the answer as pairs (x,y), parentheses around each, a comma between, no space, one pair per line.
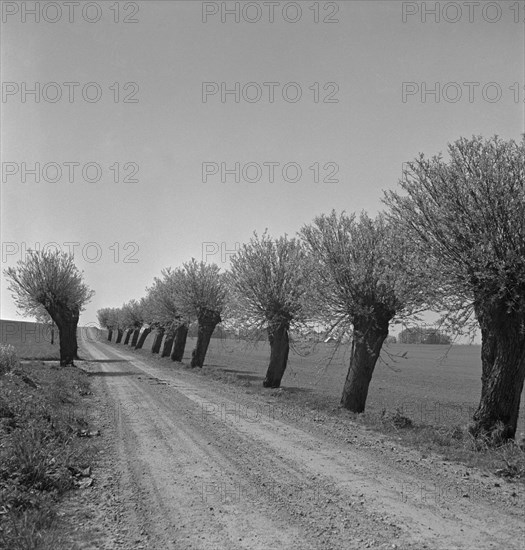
(200,472)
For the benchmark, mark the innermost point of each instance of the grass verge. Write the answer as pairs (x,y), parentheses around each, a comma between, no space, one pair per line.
(42,413)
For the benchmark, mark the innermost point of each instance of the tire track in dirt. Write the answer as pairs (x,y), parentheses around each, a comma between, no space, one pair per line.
(167,466)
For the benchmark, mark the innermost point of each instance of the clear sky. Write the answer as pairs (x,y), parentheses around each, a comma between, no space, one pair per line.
(380,61)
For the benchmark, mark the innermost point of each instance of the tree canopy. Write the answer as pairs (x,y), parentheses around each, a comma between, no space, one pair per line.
(198,288)
(48,279)
(469,213)
(364,265)
(270,279)
(161,299)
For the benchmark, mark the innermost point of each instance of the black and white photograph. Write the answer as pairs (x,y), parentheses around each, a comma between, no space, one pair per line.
(262,278)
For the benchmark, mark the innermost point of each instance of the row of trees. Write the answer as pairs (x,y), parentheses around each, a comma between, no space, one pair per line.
(196,292)
(423,335)
(452,240)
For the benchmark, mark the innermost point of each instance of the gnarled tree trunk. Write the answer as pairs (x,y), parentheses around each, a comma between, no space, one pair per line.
(110,334)
(66,321)
(157,341)
(135,337)
(128,336)
(168,344)
(369,335)
(207,322)
(120,333)
(279,349)
(503,374)
(142,338)
(179,345)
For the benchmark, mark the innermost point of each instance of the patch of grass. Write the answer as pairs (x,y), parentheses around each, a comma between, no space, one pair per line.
(226,377)
(514,458)
(453,443)
(31,530)
(397,419)
(41,414)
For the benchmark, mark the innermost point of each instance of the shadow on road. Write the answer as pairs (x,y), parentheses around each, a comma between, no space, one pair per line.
(294,389)
(115,373)
(239,373)
(104,360)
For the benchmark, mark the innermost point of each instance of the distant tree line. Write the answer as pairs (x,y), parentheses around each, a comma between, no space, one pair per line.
(423,335)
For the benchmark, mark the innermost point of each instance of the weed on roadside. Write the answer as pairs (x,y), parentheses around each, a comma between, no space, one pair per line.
(396,419)
(8,359)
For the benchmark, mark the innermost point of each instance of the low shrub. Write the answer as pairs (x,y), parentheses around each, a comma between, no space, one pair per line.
(8,359)
(396,419)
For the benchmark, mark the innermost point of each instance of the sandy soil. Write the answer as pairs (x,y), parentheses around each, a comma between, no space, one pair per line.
(190,463)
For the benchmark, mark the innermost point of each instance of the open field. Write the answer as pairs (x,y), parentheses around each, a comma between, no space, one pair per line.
(31,340)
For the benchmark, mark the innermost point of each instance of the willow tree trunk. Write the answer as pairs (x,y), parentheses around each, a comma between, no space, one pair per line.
(142,338)
(75,337)
(368,339)
(157,341)
(66,321)
(168,344)
(177,353)
(128,336)
(110,334)
(120,332)
(207,322)
(279,349)
(135,337)
(503,374)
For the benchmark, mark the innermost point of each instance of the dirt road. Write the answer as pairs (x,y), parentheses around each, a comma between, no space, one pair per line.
(205,466)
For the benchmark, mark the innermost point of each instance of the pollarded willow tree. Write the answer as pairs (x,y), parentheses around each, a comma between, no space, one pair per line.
(106,319)
(468,212)
(147,326)
(367,274)
(200,293)
(165,317)
(132,320)
(115,318)
(270,279)
(50,279)
(151,319)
